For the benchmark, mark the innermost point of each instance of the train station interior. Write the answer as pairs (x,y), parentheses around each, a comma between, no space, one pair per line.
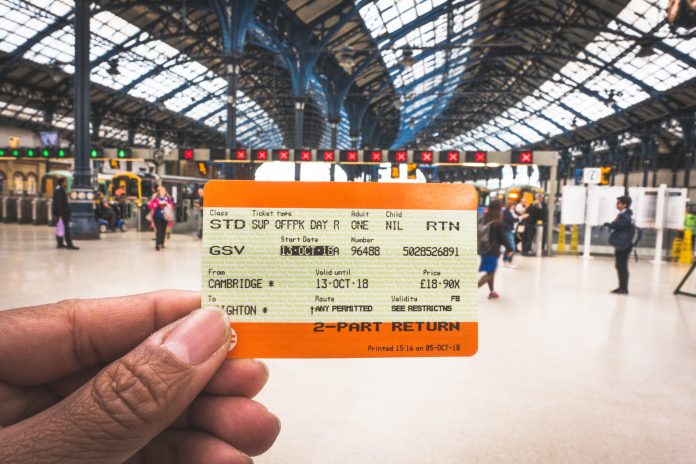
(572,122)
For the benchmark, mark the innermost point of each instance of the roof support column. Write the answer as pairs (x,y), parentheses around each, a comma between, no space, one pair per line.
(231,105)
(98,114)
(356,112)
(613,144)
(333,123)
(647,149)
(368,131)
(687,126)
(234,17)
(82,223)
(301,66)
(299,128)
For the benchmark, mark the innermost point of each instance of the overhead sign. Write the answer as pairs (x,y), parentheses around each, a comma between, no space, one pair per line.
(592,175)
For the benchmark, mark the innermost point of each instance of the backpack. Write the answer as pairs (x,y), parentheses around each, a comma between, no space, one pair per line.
(626,239)
(484,238)
(637,237)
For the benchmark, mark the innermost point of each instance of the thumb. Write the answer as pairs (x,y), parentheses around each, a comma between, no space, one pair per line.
(130,401)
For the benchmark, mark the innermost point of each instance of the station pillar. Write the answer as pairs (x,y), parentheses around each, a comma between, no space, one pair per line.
(334,142)
(232,68)
(82,223)
(299,130)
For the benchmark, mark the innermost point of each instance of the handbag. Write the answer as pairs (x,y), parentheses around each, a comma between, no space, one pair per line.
(60,228)
(168,213)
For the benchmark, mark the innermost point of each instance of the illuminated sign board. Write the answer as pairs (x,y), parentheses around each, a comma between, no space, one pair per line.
(450,156)
(476,157)
(425,156)
(328,155)
(522,157)
(260,154)
(282,154)
(303,155)
(350,156)
(398,156)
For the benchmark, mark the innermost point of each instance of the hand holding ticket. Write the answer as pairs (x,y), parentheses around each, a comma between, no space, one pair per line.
(342,270)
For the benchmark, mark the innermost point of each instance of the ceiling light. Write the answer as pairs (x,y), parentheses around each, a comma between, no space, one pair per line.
(113,68)
(647,48)
(407,59)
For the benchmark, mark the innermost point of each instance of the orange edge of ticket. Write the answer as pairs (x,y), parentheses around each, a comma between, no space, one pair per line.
(307,340)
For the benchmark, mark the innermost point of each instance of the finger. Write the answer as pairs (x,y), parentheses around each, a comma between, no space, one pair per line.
(129,402)
(241,422)
(20,402)
(43,343)
(178,447)
(239,377)
(17,403)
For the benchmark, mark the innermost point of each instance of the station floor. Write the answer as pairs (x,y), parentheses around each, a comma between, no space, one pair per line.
(565,373)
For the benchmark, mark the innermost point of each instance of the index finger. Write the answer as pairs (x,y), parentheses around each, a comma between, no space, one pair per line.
(44,343)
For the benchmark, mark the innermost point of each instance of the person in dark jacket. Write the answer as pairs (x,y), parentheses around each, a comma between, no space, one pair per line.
(621,238)
(536,212)
(496,239)
(61,210)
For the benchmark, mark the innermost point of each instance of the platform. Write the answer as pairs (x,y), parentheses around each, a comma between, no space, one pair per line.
(565,372)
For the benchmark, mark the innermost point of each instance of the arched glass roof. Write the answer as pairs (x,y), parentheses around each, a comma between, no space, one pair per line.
(150,69)
(612,73)
(418,27)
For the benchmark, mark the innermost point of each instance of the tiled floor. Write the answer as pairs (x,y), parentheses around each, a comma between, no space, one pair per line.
(565,373)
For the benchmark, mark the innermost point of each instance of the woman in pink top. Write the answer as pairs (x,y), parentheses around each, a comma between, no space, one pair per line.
(162,208)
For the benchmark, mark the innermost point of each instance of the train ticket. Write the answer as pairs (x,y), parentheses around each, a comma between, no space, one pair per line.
(329,270)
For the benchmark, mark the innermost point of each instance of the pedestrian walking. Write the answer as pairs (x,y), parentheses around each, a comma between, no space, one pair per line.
(61,214)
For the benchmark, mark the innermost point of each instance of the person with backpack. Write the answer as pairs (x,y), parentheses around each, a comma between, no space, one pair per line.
(491,236)
(622,231)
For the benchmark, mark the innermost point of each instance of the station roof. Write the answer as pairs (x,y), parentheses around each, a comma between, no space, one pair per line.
(467,74)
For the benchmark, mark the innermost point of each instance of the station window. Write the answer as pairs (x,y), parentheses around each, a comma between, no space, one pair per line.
(31,184)
(18,183)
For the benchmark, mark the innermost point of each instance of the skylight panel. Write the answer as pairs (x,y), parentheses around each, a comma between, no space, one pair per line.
(107,24)
(659,70)
(642,14)
(57,47)
(206,108)
(55,7)
(525,131)
(624,92)
(543,125)
(110,132)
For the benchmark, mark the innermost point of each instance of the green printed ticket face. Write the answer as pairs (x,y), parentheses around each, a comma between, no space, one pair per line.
(342,270)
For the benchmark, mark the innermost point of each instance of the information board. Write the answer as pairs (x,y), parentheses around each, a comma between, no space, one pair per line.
(573,204)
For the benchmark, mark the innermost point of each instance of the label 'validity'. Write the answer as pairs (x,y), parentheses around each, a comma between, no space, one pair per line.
(307,270)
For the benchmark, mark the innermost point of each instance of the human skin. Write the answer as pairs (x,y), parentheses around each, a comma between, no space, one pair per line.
(135,379)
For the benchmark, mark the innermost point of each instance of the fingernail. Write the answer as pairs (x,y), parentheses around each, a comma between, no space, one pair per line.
(277,420)
(201,334)
(265,368)
(247,458)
